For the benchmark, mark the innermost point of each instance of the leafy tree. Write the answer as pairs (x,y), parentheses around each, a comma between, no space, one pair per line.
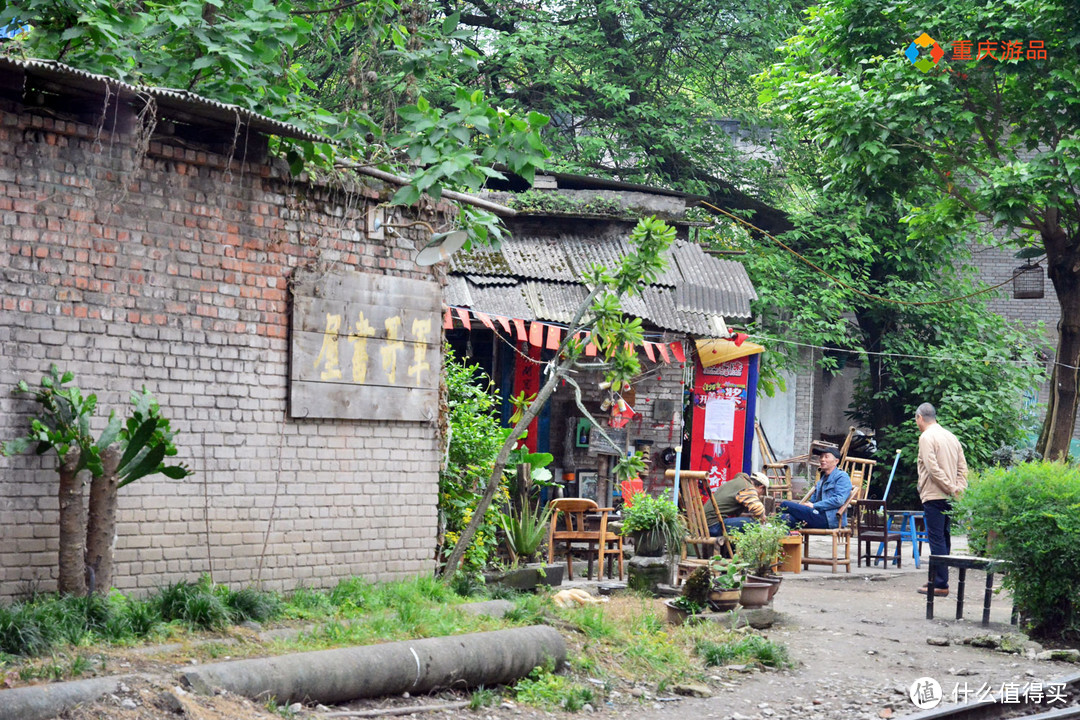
(600,317)
(122,454)
(985,137)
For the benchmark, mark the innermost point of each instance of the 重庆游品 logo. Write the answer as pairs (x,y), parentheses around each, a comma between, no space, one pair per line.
(924,52)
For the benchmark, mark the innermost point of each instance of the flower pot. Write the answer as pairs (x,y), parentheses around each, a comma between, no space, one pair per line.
(675,615)
(649,543)
(528,577)
(754,594)
(723,600)
(772,580)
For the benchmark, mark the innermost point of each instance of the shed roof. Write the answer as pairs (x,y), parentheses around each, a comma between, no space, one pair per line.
(537,277)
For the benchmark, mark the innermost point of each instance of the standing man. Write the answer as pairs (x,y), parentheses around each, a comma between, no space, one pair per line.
(830,493)
(942,476)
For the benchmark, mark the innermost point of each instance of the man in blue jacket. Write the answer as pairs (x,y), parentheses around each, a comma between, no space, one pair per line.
(831,492)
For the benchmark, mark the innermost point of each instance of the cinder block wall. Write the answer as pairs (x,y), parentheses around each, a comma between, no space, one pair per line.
(171,270)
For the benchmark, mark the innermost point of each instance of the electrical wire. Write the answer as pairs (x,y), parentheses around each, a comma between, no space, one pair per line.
(838,281)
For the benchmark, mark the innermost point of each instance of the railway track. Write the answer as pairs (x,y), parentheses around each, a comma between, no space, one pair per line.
(1062,704)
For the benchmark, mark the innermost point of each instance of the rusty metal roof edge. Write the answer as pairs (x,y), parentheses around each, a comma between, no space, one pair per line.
(179,99)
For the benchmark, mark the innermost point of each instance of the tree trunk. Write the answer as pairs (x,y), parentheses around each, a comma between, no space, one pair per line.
(101,523)
(1057,429)
(72,577)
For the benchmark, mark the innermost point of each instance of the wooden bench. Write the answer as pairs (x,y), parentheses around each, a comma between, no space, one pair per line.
(963,563)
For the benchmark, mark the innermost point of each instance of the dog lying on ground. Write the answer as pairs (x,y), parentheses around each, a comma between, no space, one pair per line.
(575,596)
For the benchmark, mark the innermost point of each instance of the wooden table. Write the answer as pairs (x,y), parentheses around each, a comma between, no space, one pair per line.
(791,559)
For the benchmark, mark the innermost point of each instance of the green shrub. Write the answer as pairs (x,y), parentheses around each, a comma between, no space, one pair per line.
(1034,511)
(252,604)
(475,439)
(660,514)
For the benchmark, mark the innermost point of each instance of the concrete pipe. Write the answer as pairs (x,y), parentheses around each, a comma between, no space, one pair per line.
(415,666)
(40,702)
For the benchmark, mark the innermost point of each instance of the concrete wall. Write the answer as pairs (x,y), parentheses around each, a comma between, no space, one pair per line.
(171,270)
(778,418)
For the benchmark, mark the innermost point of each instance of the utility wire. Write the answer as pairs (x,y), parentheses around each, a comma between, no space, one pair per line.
(855,290)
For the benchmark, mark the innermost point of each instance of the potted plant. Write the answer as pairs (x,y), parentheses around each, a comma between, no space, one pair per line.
(695,596)
(760,546)
(524,533)
(652,523)
(727,580)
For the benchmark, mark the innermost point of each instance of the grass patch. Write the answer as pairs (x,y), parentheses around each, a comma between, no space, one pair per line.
(744,651)
(545,689)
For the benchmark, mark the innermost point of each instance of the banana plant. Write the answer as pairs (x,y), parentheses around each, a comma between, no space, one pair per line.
(128,451)
(63,425)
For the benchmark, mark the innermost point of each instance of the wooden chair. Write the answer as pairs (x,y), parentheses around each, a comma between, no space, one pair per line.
(572,513)
(841,535)
(705,546)
(779,473)
(872,526)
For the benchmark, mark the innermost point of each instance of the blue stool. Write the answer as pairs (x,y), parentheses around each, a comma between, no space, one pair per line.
(910,531)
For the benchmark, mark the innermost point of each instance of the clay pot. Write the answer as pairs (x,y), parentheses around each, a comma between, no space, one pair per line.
(675,615)
(773,580)
(754,594)
(723,600)
(649,543)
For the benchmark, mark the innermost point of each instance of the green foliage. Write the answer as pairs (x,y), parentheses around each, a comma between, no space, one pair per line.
(758,545)
(649,513)
(540,201)
(548,690)
(475,439)
(727,574)
(251,604)
(1033,512)
(697,586)
(968,140)
(747,650)
(525,531)
(64,421)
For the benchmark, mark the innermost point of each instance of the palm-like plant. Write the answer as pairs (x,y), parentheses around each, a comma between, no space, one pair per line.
(525,532)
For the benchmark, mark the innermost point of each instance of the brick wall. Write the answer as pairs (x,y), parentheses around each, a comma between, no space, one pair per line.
(171,271)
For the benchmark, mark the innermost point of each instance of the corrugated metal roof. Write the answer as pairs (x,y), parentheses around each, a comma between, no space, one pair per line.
(456,293)
(166,98)
(554,302)
(713,285)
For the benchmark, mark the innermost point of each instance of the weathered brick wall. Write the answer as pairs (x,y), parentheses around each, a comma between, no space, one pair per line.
(171,271)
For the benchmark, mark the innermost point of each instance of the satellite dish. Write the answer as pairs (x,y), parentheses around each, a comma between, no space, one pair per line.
(441,247)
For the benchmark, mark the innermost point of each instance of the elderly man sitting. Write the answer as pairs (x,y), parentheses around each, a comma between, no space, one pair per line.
(735,498)
(831,492)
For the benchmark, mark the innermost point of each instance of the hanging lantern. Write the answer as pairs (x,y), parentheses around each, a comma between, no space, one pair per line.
(1028,282)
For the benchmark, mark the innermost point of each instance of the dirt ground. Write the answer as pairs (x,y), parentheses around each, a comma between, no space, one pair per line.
(859,641)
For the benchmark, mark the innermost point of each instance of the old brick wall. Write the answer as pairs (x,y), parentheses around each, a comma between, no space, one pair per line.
(171,270)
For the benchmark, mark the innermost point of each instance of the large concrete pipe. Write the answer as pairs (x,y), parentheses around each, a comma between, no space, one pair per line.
(415,666)
(40,702)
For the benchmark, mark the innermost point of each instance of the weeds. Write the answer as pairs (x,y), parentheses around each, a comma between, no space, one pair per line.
(482,697)
(749,649)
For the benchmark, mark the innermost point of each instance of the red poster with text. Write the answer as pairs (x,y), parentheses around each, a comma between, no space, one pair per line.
(719,419)
(527,382)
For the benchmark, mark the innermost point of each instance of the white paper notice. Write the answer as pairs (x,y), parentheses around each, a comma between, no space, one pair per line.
(720,420)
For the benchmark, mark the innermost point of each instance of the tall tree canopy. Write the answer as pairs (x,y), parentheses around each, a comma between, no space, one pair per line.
(993,137)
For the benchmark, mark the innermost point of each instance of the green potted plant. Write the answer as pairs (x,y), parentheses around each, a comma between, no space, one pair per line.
(759,546)
(652,523)
(524,533)
(694,598)
(727,580)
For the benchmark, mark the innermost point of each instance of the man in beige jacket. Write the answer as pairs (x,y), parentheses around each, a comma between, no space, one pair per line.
(942,476)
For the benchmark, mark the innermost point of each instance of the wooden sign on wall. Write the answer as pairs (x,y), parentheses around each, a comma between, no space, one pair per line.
(365,347)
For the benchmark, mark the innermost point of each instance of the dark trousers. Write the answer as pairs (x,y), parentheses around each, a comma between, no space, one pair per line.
(798,515)
(938,527)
